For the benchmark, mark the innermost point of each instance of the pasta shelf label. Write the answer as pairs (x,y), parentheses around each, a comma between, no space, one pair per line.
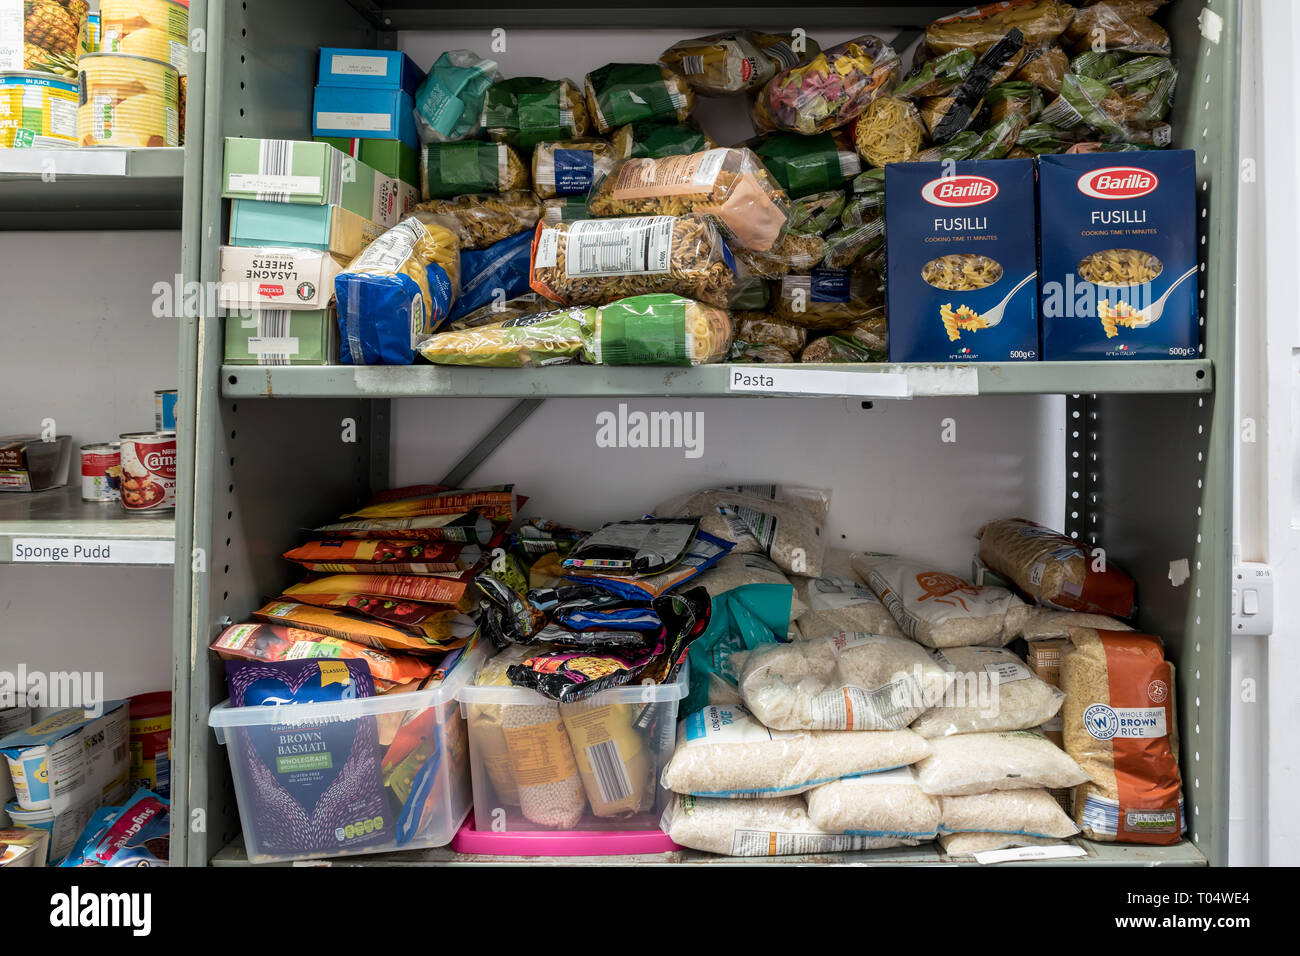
(1119,267)
(962,261)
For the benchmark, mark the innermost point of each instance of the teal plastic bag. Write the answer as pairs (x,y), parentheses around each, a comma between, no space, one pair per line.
(449,103)
(742,619)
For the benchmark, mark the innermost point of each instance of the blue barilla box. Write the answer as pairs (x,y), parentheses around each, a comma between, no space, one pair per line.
(371,69)
(362,113)
(1117,240)
(961,261)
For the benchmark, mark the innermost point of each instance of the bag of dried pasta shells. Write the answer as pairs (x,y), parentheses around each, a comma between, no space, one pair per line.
(1055,570)
(759,353)
(542,338)
(594,261)
(397,291)
(486,218)
(937,77)
(651,140)
(826,299)
(621,93)
(1045,66)
(657,329)
(528,110)
(828,90)
(762,328)
(564,209)
(729,186)
(890,131)
(569,167)
(451,169)
(979,28)
(1117,25)
(804,165)
(793,252)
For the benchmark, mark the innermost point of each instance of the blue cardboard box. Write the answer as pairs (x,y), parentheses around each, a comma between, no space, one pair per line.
(373,69)
(1118,255)
(364,113)
(961,261)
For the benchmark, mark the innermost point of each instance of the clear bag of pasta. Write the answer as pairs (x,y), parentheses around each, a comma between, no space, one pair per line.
(483,219)
(621,93)
(850,245)
(569,167)
(839,348)
(937,77)
(890,131)
(470,166)
(526,110)
(793,252)
(978,28)
(729,186)
(759,353)
(542,338)
(829,89)
(825,299)
(764,328)
(1117,25)
(1045,66)
(657,329)
(1014,97)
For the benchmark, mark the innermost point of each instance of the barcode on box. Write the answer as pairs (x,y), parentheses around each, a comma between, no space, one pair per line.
(611,775)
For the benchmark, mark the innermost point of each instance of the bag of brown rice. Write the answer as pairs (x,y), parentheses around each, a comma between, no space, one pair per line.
(1022,812)
(841,682)
(1054,569)
(968,844)
(941,610)
(726,752)
(977,763)
(837,601)
(778,827)
(992,690)
(886,804)
(1044,624)
(1119,724)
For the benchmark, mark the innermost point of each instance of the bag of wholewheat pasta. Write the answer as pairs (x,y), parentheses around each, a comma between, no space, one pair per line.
(1054,569)
(1119,726)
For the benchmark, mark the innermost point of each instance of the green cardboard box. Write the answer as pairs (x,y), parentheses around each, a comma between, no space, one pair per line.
(281,337)
(391,157)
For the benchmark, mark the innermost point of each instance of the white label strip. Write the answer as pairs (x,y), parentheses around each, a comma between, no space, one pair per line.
(271,183)
(273,346)
(372,122)
(944,380)
(342,64)
(795,381)
(64,162)
(1029,853)
(92,551)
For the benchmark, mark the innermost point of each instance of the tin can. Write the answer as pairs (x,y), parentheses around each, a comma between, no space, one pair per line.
(101,472)
(37,109)
(151,742)
(158,29)
(164,410)
(128,101)
(149,471)
(42,36)
(90,33)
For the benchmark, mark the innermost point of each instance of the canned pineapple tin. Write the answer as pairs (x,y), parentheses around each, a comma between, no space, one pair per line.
(128,101)
(41,35)
(159,29)
(37,109)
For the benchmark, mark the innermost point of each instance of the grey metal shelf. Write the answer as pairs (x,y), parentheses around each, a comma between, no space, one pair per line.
(95,188)
(578,381)
(928,854)
(59,515)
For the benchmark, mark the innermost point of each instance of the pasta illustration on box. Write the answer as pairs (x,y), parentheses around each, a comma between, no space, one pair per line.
(1118,240)
(961,261)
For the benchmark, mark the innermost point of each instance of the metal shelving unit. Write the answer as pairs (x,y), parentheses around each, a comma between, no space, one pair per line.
(92,532)
(101,188)
(1148,445)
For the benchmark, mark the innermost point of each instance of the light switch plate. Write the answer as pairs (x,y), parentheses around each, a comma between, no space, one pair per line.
(1252,587)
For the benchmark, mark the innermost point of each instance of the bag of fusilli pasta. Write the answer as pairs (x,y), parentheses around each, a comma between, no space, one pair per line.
(658,329)
(595,261)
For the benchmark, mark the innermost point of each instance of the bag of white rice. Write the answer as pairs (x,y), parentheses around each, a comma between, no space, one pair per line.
(725,752)
(842,682)
(1022,812)
(838,601)
(886,804)
(992,690)
(977,763)
(738,570)
(778,827)
(784,522)
(1044,624)
(968,844)
(940,609)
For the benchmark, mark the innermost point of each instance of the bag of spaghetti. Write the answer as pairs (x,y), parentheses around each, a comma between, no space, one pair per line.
(452,169)
(485,218)
(825,299)
(729,186)
(621,93)
(979,28)
(828,90)
(569,167)
(657,329)
(648,139)
(528,110)
(397,291)
(890,131)
(542,338)
(595,261)
(804,165)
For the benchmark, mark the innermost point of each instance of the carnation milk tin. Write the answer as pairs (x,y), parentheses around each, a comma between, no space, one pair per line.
(101,471)
(164,410)
(149,471)
(37,110)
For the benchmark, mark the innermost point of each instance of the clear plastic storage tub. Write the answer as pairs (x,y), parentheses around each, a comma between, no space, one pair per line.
(592,764)
(359,776)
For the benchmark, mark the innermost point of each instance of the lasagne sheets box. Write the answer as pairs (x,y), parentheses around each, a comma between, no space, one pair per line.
(961,261)
(1118,245)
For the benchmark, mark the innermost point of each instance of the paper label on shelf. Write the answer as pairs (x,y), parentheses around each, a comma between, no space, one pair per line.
(91,551)
(372,122)
(64,162)
(796,381)
(1029,853)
